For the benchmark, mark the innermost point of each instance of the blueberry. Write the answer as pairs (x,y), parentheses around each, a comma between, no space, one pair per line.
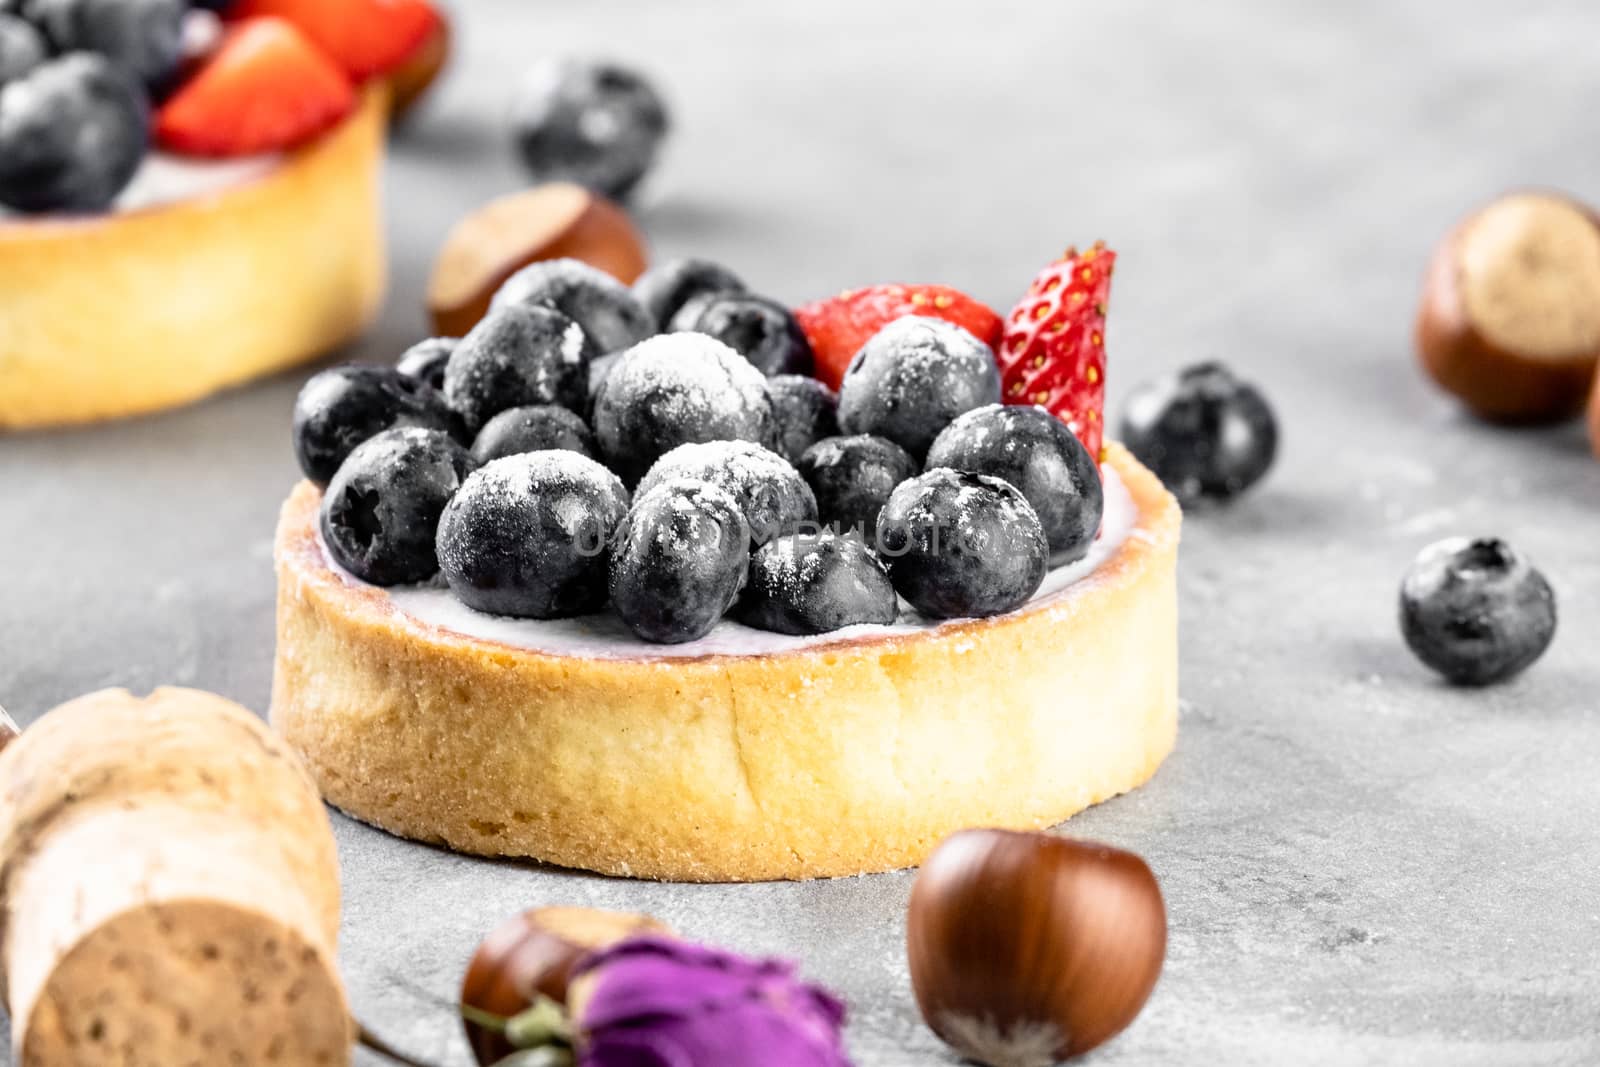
(1042,458)
(774,498)
(380,511)
(1476,611)
(852,478)
(665,288)
(22,48)
(536,428)
(678,561)
(72,134)
(143,37)
(516,356)
(341,407)
(424,362)
(606,309)
(761,330)
(527,535)
(961,545)
(596,124)
(1205,434)
(810,585)
(912,378)
(804,410)
(675,389)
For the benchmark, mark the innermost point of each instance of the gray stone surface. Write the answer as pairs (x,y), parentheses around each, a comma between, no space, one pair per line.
(1361,865)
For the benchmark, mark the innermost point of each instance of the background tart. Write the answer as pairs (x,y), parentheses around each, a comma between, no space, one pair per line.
(141,310)
(841,757)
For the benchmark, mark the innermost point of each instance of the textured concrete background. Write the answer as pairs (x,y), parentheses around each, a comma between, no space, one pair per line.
(1361,865)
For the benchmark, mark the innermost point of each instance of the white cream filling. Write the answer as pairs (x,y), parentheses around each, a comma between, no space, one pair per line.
(164,179)
(604,636)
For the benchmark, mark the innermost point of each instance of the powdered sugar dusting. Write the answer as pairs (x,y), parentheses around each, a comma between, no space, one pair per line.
(604,636)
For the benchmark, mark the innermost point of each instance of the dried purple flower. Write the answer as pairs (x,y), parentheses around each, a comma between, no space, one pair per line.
(656,1002)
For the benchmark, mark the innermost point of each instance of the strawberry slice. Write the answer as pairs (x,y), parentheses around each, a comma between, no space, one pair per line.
(838,326)
(1054,350)
(365,37)
(266,88)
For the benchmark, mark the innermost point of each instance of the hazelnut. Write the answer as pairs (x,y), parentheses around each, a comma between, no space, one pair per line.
(1026,949)
(1594,418)
(413,78)
(9,730)
(550,221)
(533,955)
(1510,316)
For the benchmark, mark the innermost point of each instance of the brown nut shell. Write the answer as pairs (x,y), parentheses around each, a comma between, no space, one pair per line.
(409,82)
(551,221)
(1510,314)
(532,955)
(1027,948)
(1594,418)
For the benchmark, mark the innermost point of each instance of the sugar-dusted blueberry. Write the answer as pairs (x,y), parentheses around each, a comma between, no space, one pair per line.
(143,37)
(597,124)
(1041,457)
(535,428)
(73,132)
(527,535)
(424,362)
(666,287)
(962,545)
(1206,434)
(341,407)
(1476,611)
(22,47)
(804,410)
(852,478)
(678,561)
(518,355)
(773,496)
(611,317)
(675,389)
(761,330)
(815,585)
(912,378)
(380,511)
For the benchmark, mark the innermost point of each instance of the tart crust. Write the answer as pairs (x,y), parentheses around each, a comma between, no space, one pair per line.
(841,758)
(135,312)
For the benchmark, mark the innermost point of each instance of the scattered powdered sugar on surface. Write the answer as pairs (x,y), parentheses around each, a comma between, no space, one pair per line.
(604,636)
(688,376)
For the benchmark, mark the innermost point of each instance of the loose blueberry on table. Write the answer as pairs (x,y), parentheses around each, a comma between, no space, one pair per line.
(1206,434)
(596,124)
(1476,611)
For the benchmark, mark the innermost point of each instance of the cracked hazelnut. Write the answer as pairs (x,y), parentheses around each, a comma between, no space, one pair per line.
(533,955)
(1026,949)
(550,221)
(1510,315)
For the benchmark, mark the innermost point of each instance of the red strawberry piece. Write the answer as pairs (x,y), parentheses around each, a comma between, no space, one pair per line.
(838,326)
(365,37)
(1054,350)
(264,89)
